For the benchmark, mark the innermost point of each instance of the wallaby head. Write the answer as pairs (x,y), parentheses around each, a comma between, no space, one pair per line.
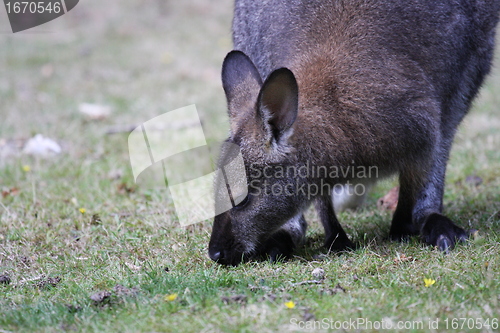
(262,117)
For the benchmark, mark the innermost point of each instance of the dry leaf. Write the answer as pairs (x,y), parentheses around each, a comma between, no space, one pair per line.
(41,146)
(318,273)
(402,258)
(9,191)
(123,188)
(94,111)
(390,200)
(132,266)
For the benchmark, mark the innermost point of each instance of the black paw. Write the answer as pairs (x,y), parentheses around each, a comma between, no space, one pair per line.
(402,232)
(440,231)
(279,247)
(339,243)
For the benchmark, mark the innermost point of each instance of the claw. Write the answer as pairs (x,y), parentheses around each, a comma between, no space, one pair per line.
(440,231)
(463,238)
(444,244)
(473,233)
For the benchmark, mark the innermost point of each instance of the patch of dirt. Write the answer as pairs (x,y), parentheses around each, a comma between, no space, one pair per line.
(95,219)
(101,297)
(4,279)
(474,180)
(124,188)
(332,291)
(403,258)
(122,291)
(240,299)
(25,261)
(48,283)
(307,315)
(73,308)
(116,295)
(268,297)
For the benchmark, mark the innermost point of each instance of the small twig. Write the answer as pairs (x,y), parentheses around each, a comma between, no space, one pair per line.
(307,282)
(32,279)
(6,209)
(20,283)
(330,248)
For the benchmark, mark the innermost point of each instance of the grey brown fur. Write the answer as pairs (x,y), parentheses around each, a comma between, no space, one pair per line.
(355,82)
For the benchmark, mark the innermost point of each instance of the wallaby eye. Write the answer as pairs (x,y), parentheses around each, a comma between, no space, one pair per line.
(243,202)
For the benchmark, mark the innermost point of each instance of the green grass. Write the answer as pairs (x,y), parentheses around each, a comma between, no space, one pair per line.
(146,58)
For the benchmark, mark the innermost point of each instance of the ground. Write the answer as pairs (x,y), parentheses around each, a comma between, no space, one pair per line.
(83,248)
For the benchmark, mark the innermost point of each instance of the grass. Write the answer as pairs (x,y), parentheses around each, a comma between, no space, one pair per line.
(146,58)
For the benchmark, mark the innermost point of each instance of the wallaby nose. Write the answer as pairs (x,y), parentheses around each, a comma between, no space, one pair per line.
(215,255)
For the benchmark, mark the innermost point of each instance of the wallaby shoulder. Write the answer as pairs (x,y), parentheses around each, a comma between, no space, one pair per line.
(370,73)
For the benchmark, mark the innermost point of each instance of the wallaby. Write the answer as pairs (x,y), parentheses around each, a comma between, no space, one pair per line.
(318,87)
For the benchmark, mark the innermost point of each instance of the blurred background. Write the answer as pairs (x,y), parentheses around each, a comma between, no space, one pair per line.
(134,59)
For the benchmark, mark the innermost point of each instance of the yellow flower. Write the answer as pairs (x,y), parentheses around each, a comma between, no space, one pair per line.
(429,282)
(82,210)
(26,168)
(290,304)
(170,298)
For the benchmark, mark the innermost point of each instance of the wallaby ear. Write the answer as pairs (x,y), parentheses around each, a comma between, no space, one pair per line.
(278,102)
(241,80)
